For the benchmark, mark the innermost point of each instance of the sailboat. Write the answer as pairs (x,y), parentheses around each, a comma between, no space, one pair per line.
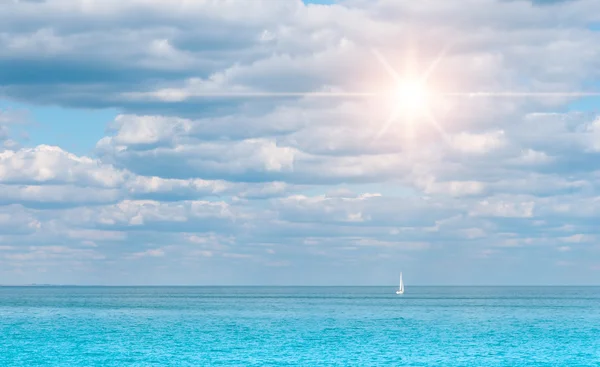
(401,287)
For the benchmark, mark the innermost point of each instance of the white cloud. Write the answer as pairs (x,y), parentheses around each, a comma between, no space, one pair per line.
(397,245)
(593,137)
(533,157)
(478,143)
(43,41)
(147,130)
(502,208)
(45,253)
(40,195)
(452,188)
(578,238)
(157,252)
(50,164)
(15,220)
(140,185)
(153,214)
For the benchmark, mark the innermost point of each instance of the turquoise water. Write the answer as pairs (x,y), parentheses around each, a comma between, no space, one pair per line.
(299,326)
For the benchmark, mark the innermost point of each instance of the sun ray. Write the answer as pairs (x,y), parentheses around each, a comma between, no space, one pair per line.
(386,65)
(522,94)
(435,62)
(438,127)
(386,125)
(379,94)
(285,94)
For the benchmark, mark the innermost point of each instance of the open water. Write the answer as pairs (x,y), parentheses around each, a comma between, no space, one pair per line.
(299,326)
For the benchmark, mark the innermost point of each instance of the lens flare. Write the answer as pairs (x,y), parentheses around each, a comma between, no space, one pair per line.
(412,98)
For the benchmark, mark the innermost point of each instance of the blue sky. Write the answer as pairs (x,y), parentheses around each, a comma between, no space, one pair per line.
(121,162)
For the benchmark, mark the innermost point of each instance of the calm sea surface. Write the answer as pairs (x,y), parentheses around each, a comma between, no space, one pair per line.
(299,326)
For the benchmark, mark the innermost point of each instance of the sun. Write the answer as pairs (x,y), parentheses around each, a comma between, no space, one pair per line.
(411,97)
(411,100)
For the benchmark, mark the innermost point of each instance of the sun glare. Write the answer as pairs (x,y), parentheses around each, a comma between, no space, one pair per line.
(411,98)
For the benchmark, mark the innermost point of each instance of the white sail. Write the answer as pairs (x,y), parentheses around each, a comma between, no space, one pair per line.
(401,287)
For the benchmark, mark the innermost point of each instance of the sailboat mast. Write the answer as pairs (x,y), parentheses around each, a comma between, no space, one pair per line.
(401,286)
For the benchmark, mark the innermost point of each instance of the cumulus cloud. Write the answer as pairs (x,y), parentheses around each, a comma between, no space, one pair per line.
(15,220)
(50,164)
(149,214)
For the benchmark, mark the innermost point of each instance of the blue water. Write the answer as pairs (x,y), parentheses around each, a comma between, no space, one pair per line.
(299,326)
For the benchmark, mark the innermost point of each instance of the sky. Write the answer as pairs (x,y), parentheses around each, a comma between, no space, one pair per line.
(146,142)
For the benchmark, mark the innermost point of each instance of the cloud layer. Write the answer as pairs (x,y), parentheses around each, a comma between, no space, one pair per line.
(193,187)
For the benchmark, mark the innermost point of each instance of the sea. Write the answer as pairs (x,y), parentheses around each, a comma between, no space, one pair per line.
(299,326)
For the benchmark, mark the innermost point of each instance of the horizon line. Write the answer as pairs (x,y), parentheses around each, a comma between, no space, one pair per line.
(287,286)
